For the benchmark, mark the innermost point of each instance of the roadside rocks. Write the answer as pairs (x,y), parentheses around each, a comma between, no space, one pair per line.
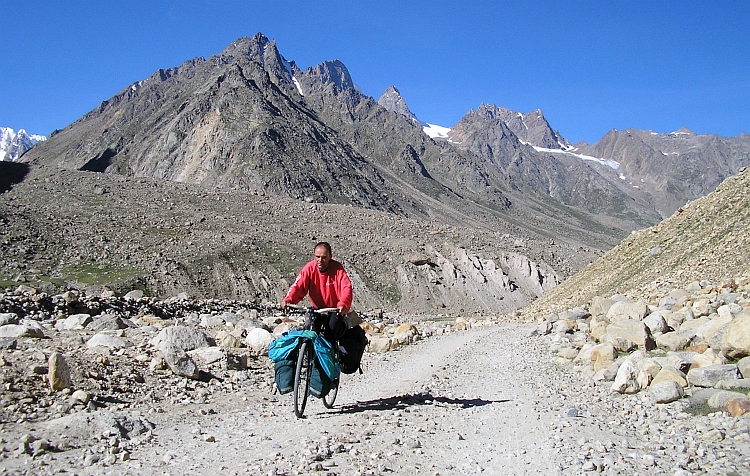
(670,344)
(70,363)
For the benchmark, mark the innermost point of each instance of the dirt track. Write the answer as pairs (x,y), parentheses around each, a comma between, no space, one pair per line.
(456,404)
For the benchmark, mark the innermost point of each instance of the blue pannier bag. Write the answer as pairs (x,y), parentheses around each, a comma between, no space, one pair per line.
(320,383)
(283,352)
(325,356)
(283,346)
(284,375)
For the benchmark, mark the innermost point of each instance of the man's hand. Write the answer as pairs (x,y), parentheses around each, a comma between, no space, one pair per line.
(341,310)
(282,304)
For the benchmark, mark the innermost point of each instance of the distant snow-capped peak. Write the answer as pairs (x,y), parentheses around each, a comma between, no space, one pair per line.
(13,145)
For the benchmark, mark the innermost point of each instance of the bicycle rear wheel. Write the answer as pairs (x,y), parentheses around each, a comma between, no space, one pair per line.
(302,377)
(331,396)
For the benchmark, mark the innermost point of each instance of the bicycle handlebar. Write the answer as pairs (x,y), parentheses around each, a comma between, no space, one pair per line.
(325,310)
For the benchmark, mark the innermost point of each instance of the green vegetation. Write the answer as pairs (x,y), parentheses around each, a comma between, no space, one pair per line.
(89,274)
(96,274)
(700,409)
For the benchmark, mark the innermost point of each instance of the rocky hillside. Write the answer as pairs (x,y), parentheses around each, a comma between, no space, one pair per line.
(85,230)
(216,176)
(706,240)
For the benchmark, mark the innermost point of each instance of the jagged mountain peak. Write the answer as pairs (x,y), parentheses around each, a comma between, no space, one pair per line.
(332,72)
(14,144)
(253,47)
(392,100)
(531,128)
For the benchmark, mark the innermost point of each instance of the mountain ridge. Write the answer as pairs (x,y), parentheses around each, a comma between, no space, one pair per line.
(250,125)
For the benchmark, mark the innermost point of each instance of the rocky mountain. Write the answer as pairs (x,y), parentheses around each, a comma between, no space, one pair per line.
(14,144)
(531,128)
(392,100)
(705,241)
(637,176)
(671,169)
(214,176)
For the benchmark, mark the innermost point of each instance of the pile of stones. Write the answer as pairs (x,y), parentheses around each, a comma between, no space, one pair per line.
(691,342)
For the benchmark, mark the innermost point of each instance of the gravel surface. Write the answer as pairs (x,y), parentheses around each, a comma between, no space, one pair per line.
(488,400)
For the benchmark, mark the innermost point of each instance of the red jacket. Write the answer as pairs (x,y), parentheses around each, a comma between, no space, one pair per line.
(329,289)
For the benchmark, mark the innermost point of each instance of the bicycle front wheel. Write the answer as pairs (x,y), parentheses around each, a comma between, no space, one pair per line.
(331,396)
(302,377)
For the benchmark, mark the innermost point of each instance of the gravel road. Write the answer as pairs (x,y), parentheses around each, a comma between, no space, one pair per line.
(489,400)
(454,404)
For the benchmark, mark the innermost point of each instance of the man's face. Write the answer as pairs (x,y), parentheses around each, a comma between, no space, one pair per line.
(322,258)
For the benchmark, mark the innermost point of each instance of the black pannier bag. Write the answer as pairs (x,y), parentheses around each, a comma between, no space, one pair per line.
(352,346)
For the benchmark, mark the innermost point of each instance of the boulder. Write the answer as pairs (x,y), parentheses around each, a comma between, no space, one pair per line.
(181,337)
(108,322)
(106,340)
(58,373)
(735,342)
(8,318)
(379,344)
(209,355)
(737,407)
(600,305)
(679,316)
(668,373)
(744,367)
(707,358)
(656,322)
(694,327)
(584,355)
(673,341)
(180,362)
(607,374)
(598,327)
(630,330)
(720,399)
(630,379)
(74,322)
(259,340)
(17,331)
(227,340)
(602,356)
(575,314)
(666,391)
(702,307)
(627,310)
(710,376)
(405,333)
(743,384)
(650,366)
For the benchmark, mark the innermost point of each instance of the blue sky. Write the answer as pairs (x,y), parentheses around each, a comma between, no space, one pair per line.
(589,66)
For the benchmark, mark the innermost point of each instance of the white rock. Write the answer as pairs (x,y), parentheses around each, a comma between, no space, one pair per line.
(259,340)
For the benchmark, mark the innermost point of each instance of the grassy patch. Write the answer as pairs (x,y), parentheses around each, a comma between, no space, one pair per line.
(98,275)
(7,281)
(700,409)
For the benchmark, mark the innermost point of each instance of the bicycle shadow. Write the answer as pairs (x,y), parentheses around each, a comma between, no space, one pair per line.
(405,401)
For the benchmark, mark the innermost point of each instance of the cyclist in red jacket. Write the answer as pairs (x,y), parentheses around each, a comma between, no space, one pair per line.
(325,281)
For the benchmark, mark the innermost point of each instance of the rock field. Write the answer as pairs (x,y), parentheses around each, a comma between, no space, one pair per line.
(438,396)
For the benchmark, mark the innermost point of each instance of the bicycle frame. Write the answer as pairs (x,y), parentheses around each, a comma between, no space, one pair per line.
(306,359)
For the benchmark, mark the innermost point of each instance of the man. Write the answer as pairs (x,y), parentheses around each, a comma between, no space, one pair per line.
(325,281)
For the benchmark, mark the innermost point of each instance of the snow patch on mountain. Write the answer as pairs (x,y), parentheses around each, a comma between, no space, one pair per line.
(435,131)
(609,163)
(13,145)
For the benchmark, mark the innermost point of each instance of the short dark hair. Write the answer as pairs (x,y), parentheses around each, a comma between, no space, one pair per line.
(325,245)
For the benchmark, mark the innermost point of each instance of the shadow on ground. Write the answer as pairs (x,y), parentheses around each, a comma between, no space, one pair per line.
(11,173)
(406,401)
